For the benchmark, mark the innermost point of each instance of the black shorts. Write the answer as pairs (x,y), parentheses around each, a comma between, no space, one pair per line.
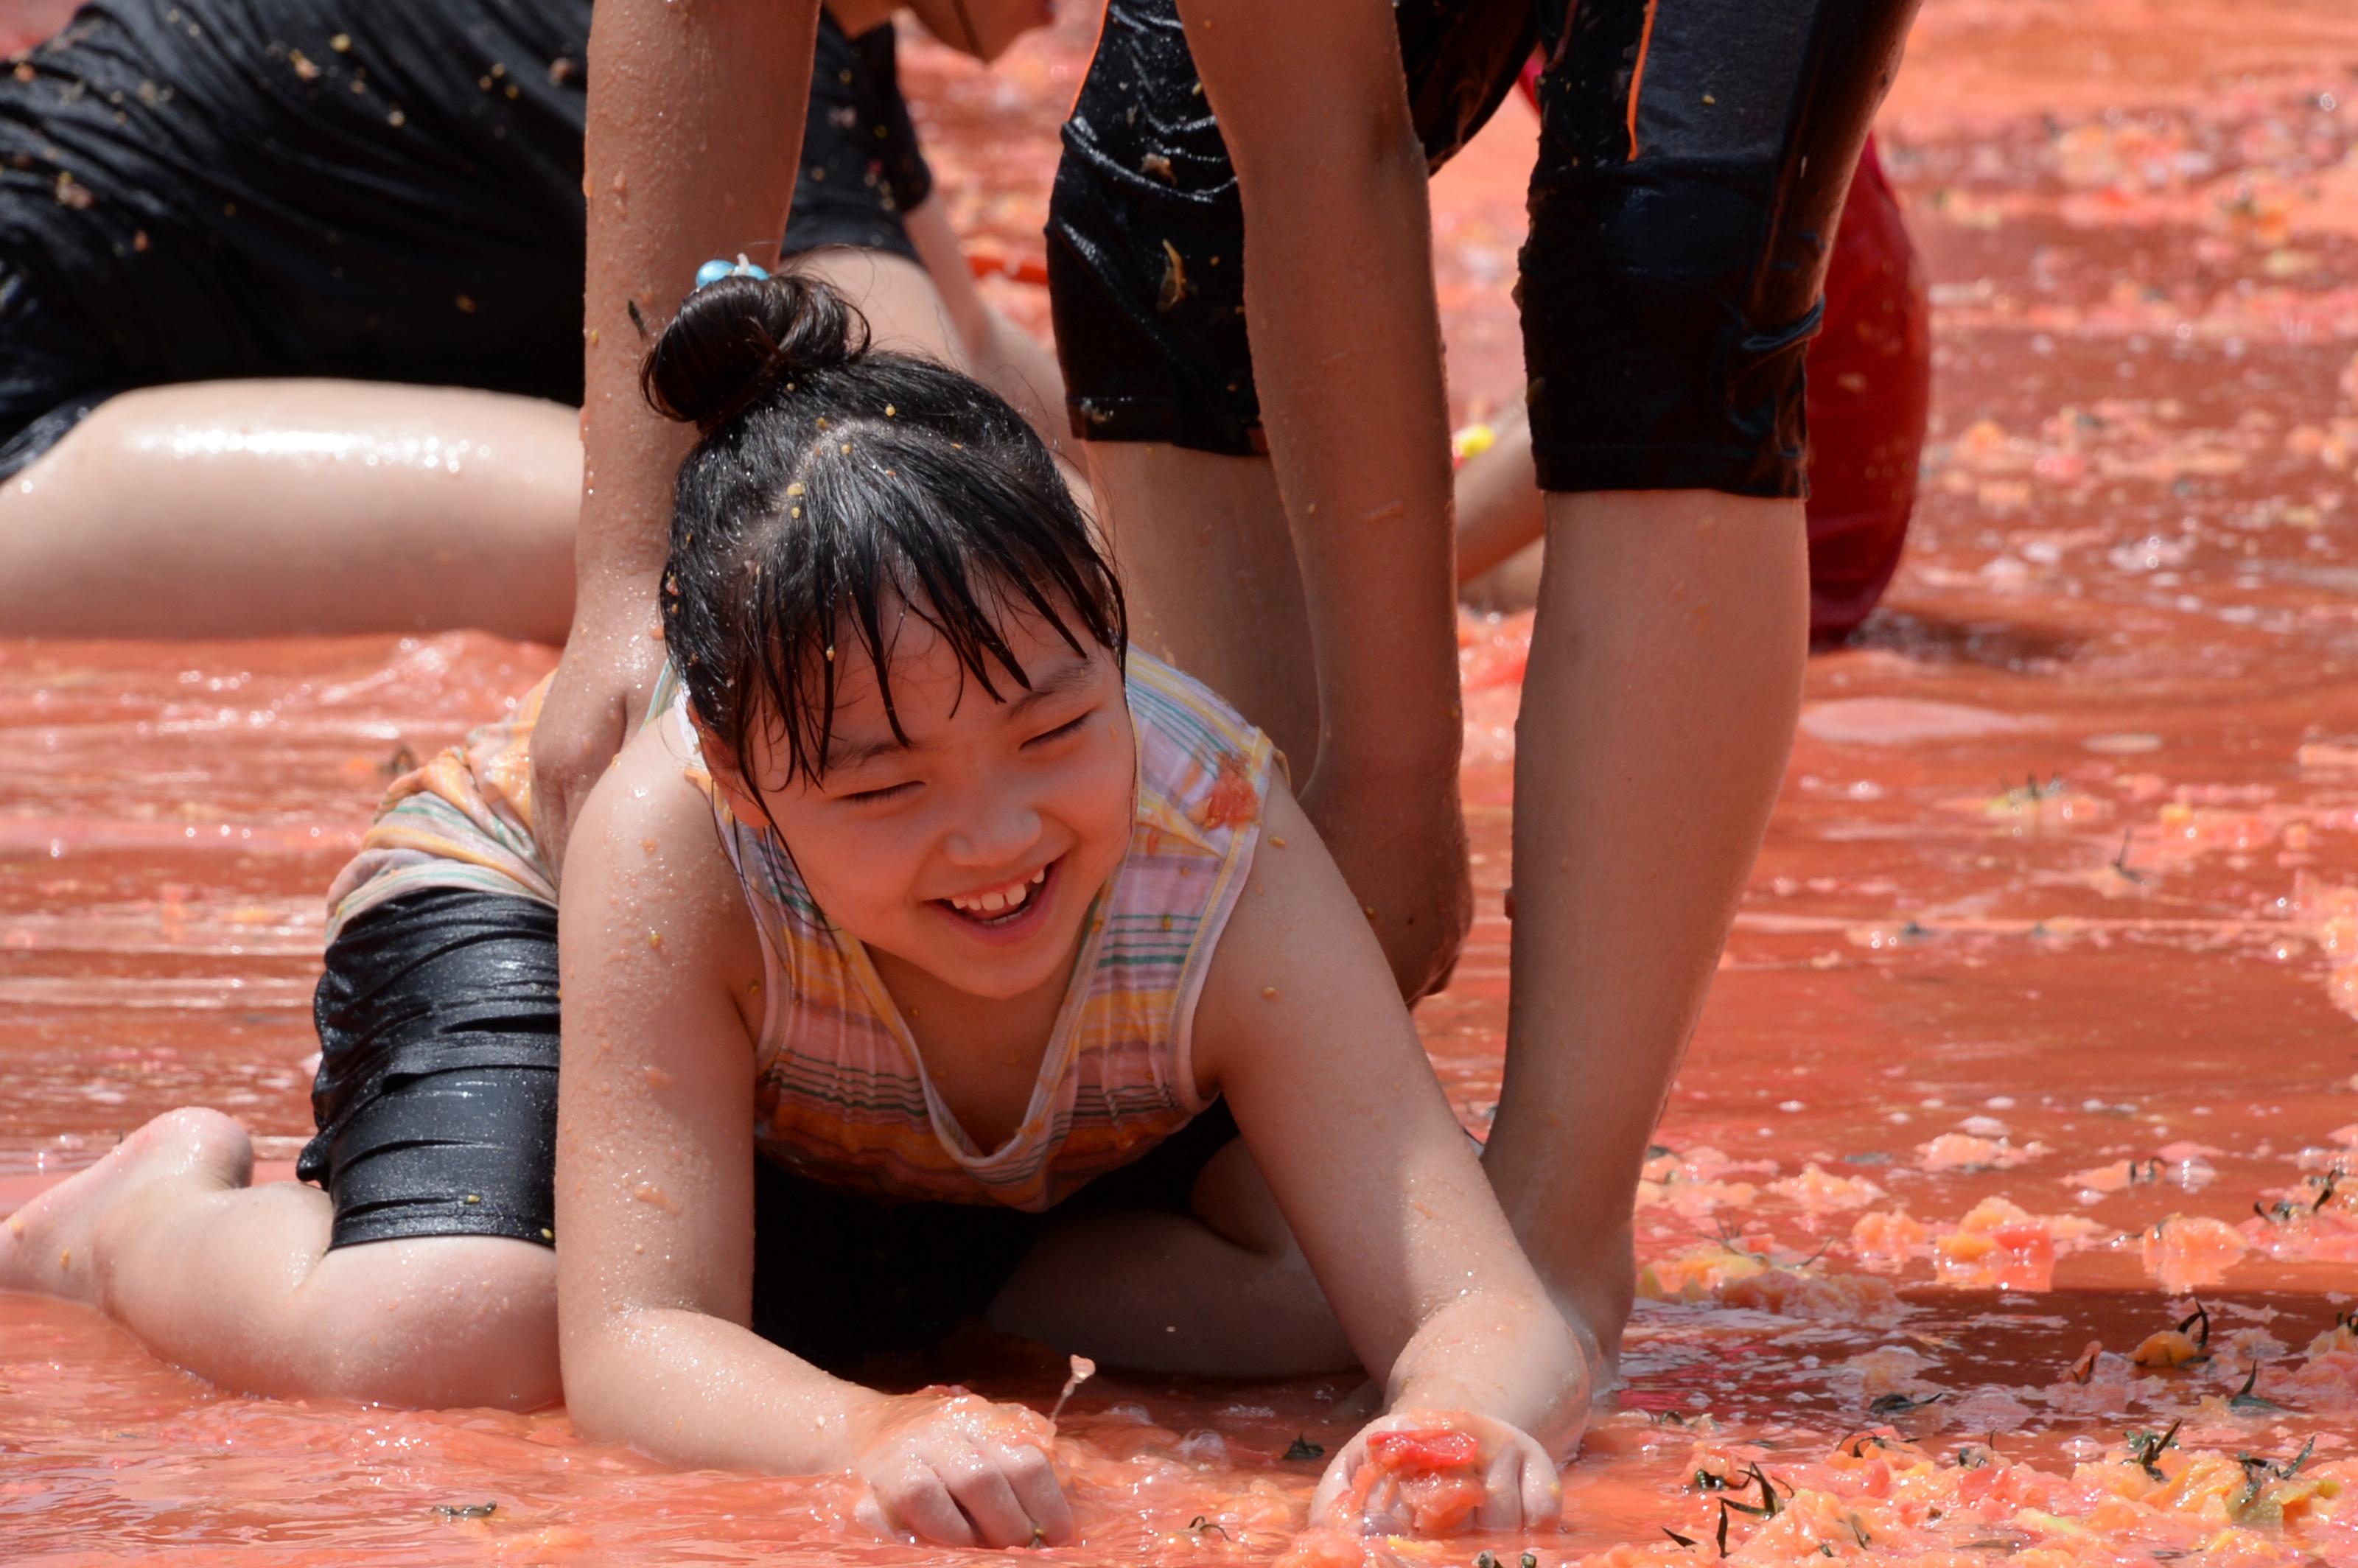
(861,166)
(201,190)
(436,1103)
(1692,162)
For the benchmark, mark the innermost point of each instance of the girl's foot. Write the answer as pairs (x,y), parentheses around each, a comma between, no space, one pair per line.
(50,1245)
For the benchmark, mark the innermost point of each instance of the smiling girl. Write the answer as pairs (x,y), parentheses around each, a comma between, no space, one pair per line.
(927,955)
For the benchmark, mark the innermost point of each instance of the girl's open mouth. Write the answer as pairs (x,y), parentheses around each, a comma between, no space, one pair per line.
(1004,908)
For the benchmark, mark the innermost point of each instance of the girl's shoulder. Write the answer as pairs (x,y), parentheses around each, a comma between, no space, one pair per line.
(657,801)
(647,831)
(1204,769)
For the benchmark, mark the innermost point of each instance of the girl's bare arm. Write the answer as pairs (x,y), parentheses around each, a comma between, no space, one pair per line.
(655,1198)
(1303,1032)
(654,1163)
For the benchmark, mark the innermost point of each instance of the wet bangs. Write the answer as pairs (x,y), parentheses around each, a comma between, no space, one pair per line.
(886,525)
(836,490)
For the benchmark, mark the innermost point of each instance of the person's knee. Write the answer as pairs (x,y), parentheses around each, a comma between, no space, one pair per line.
(903,310)
(435,1322)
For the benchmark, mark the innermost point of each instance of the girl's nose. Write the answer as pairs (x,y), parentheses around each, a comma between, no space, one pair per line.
(995,833)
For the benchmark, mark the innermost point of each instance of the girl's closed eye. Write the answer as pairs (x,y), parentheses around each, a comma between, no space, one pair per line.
(883,795)
(1070,727)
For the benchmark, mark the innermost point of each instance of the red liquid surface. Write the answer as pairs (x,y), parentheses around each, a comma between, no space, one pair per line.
(2060,907)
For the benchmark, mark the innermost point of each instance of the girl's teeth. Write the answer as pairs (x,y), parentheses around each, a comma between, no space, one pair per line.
(1000,899)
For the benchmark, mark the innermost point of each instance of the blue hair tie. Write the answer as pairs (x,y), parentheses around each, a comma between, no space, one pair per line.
(712,271)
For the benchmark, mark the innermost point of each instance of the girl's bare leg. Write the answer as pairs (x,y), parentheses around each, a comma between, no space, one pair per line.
(1222,1292)
(254,508)
(235,1281)
(1664,684)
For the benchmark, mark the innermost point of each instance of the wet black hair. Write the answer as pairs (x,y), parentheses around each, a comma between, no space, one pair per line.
(833,485)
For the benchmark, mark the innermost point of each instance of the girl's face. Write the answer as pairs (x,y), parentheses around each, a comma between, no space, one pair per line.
(973,850)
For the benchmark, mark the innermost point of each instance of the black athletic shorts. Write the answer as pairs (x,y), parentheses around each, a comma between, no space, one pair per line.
(1694,156)
(200,190)
(436,1103)
(862,167)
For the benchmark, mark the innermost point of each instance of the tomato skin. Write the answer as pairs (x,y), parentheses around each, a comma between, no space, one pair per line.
(1442,1449)
(1440,1505)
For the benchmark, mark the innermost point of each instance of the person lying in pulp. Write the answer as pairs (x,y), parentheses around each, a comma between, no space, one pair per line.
(995,908)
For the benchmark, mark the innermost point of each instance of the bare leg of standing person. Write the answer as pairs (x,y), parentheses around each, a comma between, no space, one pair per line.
(1209,570)
(1672,280)
(1665,678)
(260,508)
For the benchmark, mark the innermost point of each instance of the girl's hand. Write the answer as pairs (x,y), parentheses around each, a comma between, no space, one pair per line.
(1437,1472)
(954,1469)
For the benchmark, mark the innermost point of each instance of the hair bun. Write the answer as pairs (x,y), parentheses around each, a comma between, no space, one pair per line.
(736,339)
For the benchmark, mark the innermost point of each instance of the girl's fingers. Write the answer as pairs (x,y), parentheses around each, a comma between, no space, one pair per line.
(1503,1492)
(1542,1491)
(982,1491)
(1387,1511)
(1037,1490)
(919,1502)
(1335,1484)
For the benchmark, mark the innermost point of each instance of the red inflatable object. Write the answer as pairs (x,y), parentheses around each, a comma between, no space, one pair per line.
(1870,391)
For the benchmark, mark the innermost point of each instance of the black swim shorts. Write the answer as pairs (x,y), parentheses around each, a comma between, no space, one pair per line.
(862,167)
(436,1099)
(200,190)
(1694,156)
(436,1103)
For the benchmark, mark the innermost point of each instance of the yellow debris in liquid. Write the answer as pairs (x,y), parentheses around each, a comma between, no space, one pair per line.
(654,938)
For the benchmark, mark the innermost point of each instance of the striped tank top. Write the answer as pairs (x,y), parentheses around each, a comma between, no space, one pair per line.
(842,1094)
